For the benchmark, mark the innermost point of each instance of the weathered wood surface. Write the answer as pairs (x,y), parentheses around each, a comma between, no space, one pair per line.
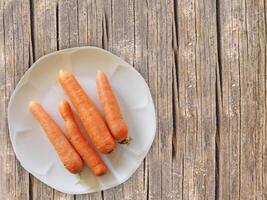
(205,64)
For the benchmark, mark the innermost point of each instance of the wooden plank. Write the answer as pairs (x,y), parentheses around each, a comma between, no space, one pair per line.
(44,38)
(22,50)
(258,52)
(264,136)
(67,24)
(44,27)
(179,125)
(15,58)
(3,126)
(153,158)
(243,91)
(92,196)
(229,103)
(206,61)
(7,169)
(95,23)
(82,22)
(195,109)
(160,65)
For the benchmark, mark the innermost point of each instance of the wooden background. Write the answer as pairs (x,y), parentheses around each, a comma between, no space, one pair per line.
(205,64)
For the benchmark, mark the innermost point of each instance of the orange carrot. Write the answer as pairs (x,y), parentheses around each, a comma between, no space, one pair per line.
(76,138)
(69,157)
(88,113)
(111,109)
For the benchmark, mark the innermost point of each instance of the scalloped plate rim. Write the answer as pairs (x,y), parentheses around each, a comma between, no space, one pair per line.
(21,83)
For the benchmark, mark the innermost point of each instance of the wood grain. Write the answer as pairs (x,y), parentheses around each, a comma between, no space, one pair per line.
(15,59)
(243,100)
(205,64)
(196,58)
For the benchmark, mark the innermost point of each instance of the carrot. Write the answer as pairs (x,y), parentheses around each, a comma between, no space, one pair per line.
(69,157)
(111,109)
(76,138)
(88,113)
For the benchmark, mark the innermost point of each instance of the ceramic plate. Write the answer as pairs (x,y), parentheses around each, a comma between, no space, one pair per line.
(30,143)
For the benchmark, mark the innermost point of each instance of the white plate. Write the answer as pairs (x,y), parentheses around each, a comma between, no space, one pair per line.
(30,143)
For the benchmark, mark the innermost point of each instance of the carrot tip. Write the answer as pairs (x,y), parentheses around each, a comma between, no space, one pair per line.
(63,103)
(32,104)
(62,73)
(100,73)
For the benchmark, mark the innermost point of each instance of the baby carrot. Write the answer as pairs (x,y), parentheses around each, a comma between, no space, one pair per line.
(69,157)
(88,113)
(88,154)
(111,109)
